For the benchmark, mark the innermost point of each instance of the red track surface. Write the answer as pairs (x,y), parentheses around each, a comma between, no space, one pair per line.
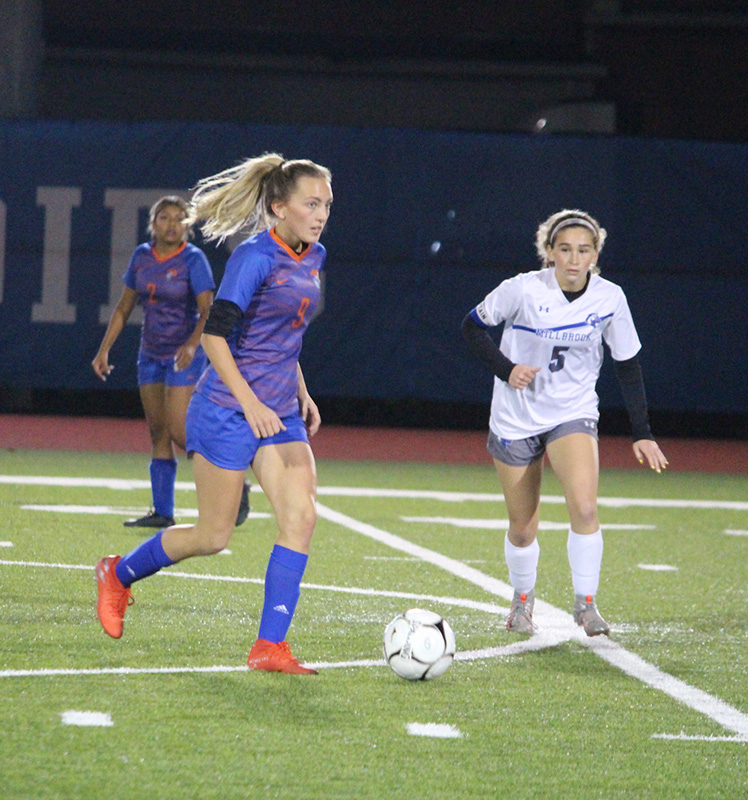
(359,444)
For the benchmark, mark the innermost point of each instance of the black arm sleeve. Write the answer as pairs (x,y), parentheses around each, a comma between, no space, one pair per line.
(222,318)
(484,347)
(629,375)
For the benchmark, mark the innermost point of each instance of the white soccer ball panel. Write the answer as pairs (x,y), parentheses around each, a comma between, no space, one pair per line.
(427,644)
(449,636)
(423,616)
(395,636)
(408,668)
(440,667)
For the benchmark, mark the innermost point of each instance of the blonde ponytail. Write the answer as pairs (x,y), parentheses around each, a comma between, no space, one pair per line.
(241,198)
(231,200)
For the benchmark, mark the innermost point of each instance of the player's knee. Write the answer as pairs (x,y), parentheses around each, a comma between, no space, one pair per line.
(158,431)
(523,532)
(216,538)
(299,522)
(523,537)
(584,515)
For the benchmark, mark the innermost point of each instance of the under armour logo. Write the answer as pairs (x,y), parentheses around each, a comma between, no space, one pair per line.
(546,308)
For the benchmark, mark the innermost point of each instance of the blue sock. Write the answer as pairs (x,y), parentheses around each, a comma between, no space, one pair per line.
(163,478)
(146,559)
(282,581)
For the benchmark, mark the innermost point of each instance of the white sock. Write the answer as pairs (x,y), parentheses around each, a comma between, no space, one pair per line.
(585,559)
(523,565)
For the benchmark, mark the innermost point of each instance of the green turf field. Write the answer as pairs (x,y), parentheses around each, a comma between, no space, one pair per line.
(658,711)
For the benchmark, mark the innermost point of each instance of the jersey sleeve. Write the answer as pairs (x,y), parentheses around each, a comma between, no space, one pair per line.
(499,305)
(246,269)
(620,335)
(201,274)
(129,277)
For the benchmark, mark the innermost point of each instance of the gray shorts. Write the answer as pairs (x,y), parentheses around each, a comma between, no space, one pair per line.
(521,452)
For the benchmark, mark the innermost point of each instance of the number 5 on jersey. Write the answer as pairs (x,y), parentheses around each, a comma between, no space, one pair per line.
(558,359)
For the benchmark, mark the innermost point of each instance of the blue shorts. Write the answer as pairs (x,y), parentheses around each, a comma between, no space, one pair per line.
(161,370)
(224,437)
(521,452)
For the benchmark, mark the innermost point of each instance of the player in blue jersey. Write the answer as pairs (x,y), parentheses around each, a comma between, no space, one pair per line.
(251,407)
(544,401)
(173,282)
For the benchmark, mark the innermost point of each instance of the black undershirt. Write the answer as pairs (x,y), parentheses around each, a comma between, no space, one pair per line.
(572,296)
(222,318)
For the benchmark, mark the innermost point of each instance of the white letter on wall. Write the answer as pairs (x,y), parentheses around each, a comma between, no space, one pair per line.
(59,202)
(125,205)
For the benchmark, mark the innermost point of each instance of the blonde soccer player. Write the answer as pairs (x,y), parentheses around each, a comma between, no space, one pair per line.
(251,406)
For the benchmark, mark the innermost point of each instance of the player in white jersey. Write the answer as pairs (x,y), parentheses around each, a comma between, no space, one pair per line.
(544,401)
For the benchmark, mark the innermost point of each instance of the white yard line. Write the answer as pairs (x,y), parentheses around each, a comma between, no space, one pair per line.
(352,491)
(476,605)
(121,511)
(503,524)
(556,626)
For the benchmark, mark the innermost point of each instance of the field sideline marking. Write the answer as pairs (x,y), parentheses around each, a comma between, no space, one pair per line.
(468,655)
(122,511)
(348,491)
(191,513)
(503,524)
(561,624)
(475,605)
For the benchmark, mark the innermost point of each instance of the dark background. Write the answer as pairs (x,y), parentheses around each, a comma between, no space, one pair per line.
(649,70)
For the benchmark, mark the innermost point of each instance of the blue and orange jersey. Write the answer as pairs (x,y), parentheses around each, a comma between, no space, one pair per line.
(277,290)
(167,288)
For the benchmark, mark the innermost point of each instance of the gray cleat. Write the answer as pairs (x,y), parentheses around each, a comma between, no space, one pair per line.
(587,615)
(520,613)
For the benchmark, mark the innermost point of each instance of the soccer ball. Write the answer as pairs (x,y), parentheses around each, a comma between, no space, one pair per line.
(419,645)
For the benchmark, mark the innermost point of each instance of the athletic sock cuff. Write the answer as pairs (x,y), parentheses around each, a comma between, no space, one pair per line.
(290,559)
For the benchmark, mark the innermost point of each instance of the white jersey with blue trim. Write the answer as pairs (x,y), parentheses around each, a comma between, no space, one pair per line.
(565,339)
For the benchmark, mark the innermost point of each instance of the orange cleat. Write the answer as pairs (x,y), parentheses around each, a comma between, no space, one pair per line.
(114,598)
(276,657)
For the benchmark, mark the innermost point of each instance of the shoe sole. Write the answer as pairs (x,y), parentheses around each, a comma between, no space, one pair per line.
(603,632)
(290,670)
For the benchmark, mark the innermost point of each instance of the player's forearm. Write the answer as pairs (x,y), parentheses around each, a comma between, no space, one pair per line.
(484,347)
(222,360)
(632,387)
(114,328)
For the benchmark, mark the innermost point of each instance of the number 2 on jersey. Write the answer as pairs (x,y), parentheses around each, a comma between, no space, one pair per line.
(558,359)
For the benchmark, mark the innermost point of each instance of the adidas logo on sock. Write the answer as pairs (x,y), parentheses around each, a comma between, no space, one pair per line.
(281,609)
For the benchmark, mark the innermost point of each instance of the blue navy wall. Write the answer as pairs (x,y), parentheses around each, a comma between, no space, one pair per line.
(424,225)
